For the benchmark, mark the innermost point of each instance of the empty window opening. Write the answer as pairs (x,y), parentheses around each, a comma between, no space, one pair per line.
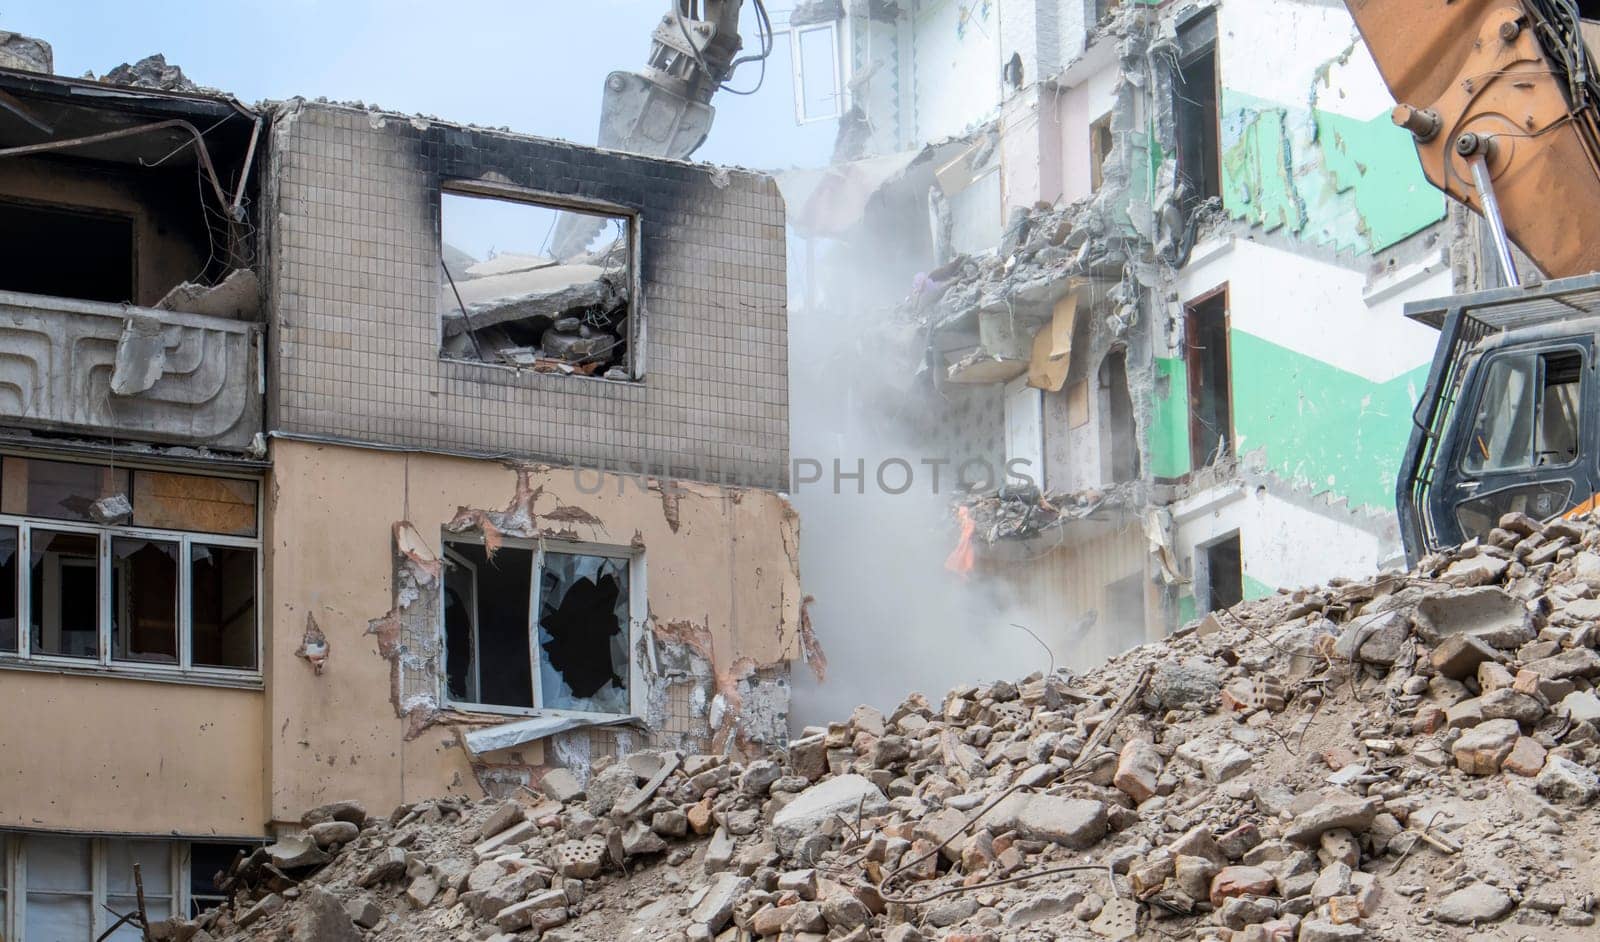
(1099,149)
(486,625)
(208,864)
(100,266)
(1195,114)
(536,286)
(1529,413)
(1221,573)
(1103,8)
(1120,437)
(1210,385)
(537,629)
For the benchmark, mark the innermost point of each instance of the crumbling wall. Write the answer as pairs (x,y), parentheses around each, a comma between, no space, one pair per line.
(358,330)
(722,592)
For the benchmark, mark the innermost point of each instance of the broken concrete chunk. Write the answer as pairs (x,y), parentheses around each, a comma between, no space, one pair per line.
(1482,749)
(1472,905)
(1186,680)
(1076,823)
(238,297)
(351,811)
(1339,811)
(561,785)
(329,833)
(1487,613)
(845,796)
(1574,662)
(1139,768)
(715,908)
(1458,656)
(293,853)
(386,865)
(1565,780)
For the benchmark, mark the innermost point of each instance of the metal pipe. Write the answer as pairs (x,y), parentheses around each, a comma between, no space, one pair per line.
(1479,165)
(201,153)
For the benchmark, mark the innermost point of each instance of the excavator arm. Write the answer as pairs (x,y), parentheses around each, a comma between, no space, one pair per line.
(664,109)
(1500,96)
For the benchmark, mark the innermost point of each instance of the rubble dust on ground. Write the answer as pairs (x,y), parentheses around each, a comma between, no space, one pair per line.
(1400,757)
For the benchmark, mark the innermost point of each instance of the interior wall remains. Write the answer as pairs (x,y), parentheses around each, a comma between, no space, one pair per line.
(170,239)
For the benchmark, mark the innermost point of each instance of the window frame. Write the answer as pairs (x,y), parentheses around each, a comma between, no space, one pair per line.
(638,615)
(1539,356)
(544,199)
(184,670)
(14,878)
(798,72)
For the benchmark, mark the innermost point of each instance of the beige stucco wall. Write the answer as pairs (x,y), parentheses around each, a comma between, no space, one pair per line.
(729,572)
(130,756)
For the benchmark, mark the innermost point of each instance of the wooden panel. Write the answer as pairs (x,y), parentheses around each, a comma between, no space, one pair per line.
(194,502)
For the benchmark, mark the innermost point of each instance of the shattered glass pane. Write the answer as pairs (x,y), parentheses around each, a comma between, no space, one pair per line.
(583,633)
(63,490)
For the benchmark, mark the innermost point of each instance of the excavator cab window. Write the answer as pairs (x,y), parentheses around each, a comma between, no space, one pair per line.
(1528,415)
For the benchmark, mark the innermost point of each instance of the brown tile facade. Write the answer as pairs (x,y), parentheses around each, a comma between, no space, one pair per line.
(354,230)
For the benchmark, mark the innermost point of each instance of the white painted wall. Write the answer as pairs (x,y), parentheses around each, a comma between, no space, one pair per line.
(1281,51)
(957,70)
(1318,308)
(1281,543)
(1080,106)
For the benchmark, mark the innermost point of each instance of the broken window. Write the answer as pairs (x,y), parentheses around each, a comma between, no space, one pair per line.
(1221,573)
(8,590)
(207,864)
(1210,385)
(818,79)
(100,266)
(526,628)
(1528,414)
(1121,442)
(75,888)
(1103,8)
(144,600)
(537,286)
(61,490)
(1099,149)
(65,583)
(222,603)
(118,595)
(1195,112)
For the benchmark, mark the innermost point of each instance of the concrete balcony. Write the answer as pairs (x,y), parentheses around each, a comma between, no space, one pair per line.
(132,373)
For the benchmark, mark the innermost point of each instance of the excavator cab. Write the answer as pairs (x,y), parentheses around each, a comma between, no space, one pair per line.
(1509,420)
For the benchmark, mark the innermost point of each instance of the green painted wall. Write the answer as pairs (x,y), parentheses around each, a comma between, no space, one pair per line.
(1319,424)
(1169,426)
(1314,423)
(1355,185)
(1256,589)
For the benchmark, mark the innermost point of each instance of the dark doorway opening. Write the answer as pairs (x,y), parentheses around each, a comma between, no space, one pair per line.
(1210,383)
(67,253)
(1222,573)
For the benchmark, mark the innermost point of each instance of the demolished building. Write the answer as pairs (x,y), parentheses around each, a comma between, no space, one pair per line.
(316,477)
(1153,258)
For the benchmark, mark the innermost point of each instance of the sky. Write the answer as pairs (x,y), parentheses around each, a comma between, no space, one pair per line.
(535,66)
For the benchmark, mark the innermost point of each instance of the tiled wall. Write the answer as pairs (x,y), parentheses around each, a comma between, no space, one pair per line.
(356,280)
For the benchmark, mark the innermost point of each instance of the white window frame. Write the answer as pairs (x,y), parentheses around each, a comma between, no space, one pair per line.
(184,670)
(797,67)
(638,614)
(14,887)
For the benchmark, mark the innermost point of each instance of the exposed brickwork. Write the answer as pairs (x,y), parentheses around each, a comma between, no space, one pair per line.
(355,258)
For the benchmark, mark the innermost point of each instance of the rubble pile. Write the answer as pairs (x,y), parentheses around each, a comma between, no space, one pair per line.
(1021,512)
(549,315)
(1400,757)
